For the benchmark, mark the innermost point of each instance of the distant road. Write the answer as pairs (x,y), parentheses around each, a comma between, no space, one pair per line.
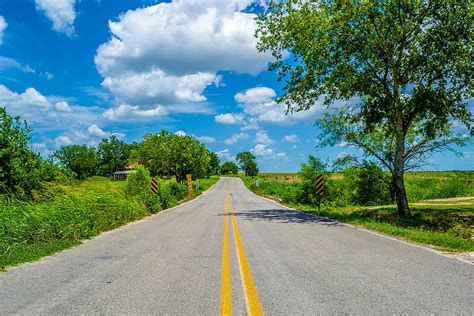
(230,250)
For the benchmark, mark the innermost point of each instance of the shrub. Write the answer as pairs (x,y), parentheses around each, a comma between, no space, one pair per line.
(138,182)
(20,168)
(372,185)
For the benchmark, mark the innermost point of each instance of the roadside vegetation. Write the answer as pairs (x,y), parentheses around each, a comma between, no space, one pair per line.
(50,205)
(442,202)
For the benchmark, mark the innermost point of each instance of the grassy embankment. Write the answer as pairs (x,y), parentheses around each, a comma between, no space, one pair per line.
(64,214)
(440,218)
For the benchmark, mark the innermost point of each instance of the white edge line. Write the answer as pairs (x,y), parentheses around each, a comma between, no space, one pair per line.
(403,241)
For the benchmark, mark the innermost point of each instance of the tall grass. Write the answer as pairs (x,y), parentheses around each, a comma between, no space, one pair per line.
(445,226)
(64,214)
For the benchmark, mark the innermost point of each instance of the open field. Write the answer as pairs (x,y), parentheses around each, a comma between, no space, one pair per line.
(64,214)
(442,206)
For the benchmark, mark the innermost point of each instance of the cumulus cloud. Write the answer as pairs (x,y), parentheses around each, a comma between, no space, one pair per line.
(236,137)
(229,118)
(48,114)
(60,12)
(90,136)
(262,138)
(156,87)
(126,111)
(262,150)
(206,139)
(3,26)
(256,95)
(225,155)
(169,53)
(62,106)
(259,106)
(293,138)
(180,133)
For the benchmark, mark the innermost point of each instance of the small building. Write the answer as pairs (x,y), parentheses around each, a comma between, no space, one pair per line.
(123,174)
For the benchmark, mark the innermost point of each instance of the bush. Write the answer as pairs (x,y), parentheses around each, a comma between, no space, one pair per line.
(138,182)
(153,203)
(372,185)
(20,168)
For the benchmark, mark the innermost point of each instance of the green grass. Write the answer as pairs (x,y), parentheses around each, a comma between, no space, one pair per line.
(444,227)
(206,183)
(64,214)
(443,224)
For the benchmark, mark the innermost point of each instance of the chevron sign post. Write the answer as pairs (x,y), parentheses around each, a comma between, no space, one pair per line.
(154,186)
(319,188)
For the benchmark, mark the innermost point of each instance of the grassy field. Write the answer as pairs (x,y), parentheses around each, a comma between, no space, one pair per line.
(64,214)
(442,206)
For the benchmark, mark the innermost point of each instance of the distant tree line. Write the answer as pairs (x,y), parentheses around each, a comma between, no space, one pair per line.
(22,171)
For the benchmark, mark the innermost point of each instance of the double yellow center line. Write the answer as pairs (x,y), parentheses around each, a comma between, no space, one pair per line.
(252,300)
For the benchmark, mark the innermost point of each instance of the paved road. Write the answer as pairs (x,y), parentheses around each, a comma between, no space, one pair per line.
(232,251)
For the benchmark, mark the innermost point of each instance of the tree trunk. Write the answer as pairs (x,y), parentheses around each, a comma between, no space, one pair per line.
(399,171)
(401,194)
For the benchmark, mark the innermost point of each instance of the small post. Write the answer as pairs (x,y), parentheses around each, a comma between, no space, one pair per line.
(154,186)
(189,178)
(319,189)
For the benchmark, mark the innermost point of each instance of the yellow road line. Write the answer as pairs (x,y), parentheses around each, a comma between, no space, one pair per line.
(252,300)
(226,287)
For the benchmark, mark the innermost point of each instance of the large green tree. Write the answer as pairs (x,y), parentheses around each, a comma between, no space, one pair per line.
(82,160)
(167,154)
(229,167)
(113,154)
(247,163)
(20,168)
(408,62)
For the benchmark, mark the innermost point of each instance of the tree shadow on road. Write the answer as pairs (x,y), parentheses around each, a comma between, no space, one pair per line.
(284,216)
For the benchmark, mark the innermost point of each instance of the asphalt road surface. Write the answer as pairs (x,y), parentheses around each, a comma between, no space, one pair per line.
(231,251)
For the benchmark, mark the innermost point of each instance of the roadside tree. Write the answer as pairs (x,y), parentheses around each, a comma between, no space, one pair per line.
(113,155)
(20,168)
(82,160)
(229,167)
(247,163)
(408,63)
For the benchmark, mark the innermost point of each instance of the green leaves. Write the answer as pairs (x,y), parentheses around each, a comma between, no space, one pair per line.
(166,154)
(82,160)
(247,163)
(20,168)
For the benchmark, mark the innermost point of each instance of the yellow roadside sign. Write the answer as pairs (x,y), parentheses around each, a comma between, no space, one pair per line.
(189,178)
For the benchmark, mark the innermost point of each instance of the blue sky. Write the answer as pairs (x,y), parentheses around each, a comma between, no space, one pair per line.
(82,70)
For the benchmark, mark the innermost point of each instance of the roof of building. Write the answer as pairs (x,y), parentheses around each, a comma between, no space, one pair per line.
(123,172)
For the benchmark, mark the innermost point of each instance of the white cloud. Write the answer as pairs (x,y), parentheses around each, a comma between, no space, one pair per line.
(62,106)
(293,138)
(180,133)
(206,139)
(47,75)
(60,12)
(169,53)
(91,136)
(45,114)
(262,150)
(96,131)
(229,118)
(256,95)
(63,140)
(225,155)
(157,87)
(125,111)
(262,138)
(3,26)
(259,106)
(236,137)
